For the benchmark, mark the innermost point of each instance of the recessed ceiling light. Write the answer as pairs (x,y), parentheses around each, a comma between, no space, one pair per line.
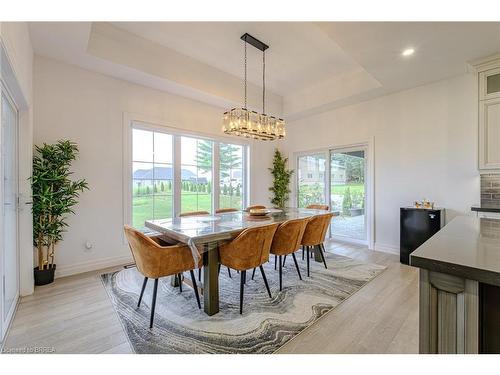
(408,52)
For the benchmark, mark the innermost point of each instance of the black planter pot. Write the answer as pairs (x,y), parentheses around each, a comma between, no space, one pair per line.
(45,276)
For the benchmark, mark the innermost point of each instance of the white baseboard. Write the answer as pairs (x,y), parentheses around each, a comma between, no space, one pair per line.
(385,248)
(92,265)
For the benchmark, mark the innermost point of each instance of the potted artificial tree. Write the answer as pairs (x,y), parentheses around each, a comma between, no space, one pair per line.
(281,180)
(54,195)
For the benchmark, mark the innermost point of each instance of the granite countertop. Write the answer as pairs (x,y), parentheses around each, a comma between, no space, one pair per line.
(468,247)
(485,208)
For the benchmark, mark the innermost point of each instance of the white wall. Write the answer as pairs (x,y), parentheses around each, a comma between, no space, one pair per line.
(88,108)
(425,142)
(18,70)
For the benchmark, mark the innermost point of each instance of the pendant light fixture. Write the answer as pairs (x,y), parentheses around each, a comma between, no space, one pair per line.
(250,124)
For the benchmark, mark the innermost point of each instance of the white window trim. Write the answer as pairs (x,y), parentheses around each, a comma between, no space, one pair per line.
(138,121)
(370,182)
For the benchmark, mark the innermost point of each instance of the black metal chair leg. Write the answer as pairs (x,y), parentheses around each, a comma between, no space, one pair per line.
(253,273)
(296,265)
(153,304)
(318,248)
(218,269)
(275,260)
(242,288)
(180,281)
(142,291)
(229,272)
(265,280)
(284,260)
(195,287)
(303,252)
(199,274)
(307,256)
(281,274)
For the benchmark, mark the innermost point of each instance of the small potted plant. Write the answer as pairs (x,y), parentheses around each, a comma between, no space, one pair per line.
(281,180)
(54,195)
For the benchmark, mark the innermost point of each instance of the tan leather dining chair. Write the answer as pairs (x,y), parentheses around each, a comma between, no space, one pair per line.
(314,236)
(224,210)
(250,249)
(255,207)
(318,207)
(154,261)
(287,240)
(194,213)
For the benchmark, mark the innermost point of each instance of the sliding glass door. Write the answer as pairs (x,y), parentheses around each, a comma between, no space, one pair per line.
(347,192)
(336,177)
(311,179)
(9,221)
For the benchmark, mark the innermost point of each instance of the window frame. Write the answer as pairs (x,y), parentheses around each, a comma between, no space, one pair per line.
(134,121)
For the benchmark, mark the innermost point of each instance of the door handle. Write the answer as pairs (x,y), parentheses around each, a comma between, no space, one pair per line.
(432,216)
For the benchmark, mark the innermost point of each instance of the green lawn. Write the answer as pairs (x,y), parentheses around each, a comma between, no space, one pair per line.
(142,206)
(339,189)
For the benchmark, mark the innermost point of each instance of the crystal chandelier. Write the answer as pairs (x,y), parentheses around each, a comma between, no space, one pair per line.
(250,124)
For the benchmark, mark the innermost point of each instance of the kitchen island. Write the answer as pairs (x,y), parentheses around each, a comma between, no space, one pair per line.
(459,297)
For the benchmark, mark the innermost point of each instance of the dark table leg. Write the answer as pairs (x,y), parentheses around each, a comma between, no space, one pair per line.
(317,255)
(211,279)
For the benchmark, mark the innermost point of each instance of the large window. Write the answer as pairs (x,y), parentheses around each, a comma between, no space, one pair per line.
(174,173)
(196,174)
(152,172)
(231,176)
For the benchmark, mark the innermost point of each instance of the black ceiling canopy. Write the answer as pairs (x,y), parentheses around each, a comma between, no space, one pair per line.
(254,42)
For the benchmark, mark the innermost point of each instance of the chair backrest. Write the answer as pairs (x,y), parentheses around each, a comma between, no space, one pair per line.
(194,213)
(288,236)
(316,229)
(255,206)
(224,210)
(250,248)
(154,260)
(318,207)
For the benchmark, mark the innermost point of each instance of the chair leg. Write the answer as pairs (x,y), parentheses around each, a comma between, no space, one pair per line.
(153,304)
(242,288)
(296,265)
(284,260)
(253,273)
(199,274)
(265,280)
(275,260)
(307,256)
(195,287)
(180,281)
(320,250)
(218,269)
(229,272)
(303,252)
(142,291)
(281,274)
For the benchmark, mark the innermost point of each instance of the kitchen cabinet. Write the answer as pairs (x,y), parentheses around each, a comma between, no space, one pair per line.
(488,73)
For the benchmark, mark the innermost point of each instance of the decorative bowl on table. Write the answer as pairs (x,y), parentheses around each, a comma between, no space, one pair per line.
(258,211)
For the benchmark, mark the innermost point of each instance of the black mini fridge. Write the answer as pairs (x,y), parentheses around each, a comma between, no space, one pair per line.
(417,225)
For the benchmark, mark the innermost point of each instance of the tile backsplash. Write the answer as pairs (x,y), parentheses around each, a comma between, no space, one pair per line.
(490,190)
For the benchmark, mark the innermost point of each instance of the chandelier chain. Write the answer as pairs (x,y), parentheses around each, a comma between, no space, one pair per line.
(264,81)
(245,73)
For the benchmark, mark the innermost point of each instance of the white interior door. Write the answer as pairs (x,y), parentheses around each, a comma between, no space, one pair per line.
(9,219)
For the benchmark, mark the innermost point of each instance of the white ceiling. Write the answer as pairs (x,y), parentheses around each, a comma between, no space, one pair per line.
(310,67)
(300,53)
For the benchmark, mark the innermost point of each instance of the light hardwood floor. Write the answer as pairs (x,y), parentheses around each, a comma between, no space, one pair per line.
(75,315)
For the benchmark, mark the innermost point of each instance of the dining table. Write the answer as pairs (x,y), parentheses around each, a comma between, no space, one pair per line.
(203,234)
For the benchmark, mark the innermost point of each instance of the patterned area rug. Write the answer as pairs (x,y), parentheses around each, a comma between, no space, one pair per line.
(266,324)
